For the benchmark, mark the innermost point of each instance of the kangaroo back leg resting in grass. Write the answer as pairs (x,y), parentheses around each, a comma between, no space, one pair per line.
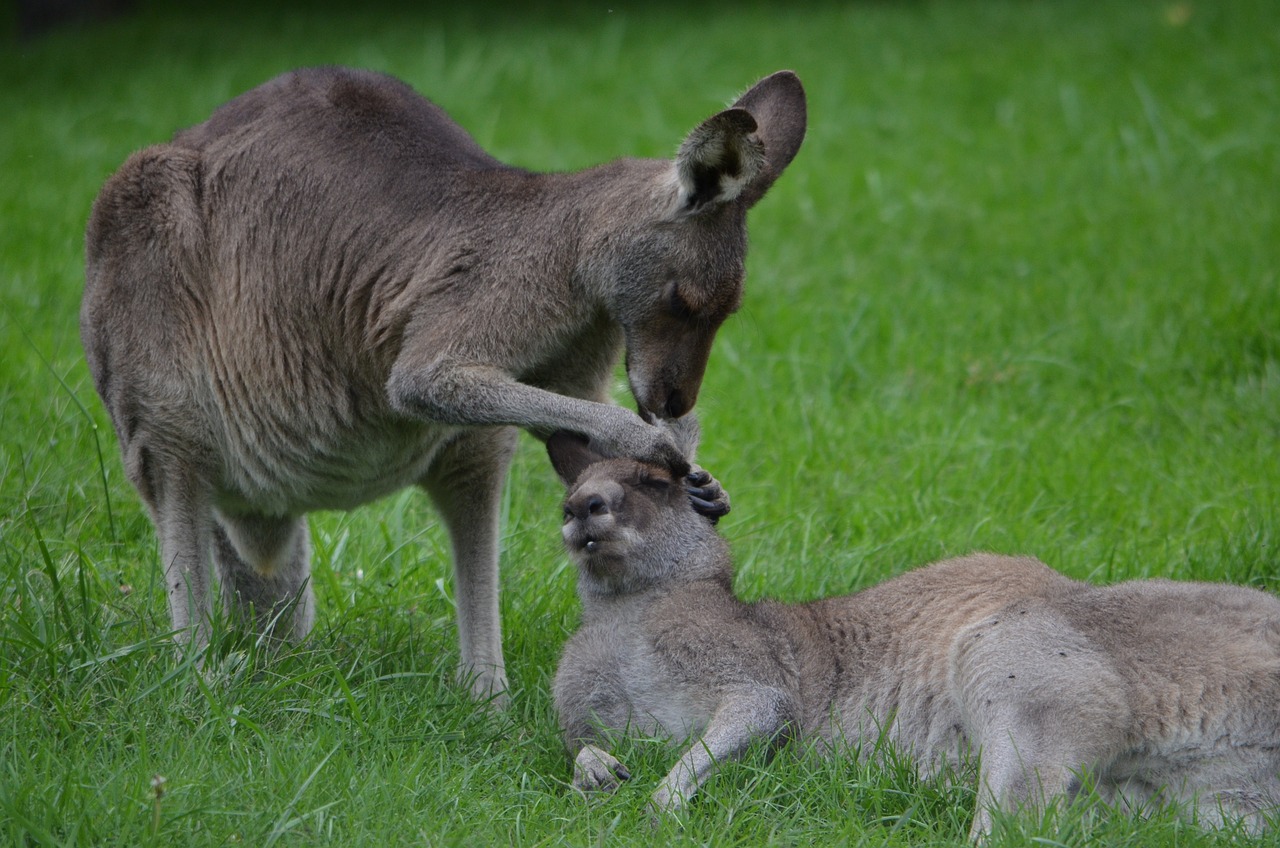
(184,521)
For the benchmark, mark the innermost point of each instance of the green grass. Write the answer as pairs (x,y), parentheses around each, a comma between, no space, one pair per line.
(1018,292)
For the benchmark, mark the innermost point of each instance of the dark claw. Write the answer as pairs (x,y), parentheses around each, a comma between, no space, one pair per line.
(713,510)
(698,478)
(707,493)
(621,772)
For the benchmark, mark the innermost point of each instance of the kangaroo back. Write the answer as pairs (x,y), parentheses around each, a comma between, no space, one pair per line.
(372,117)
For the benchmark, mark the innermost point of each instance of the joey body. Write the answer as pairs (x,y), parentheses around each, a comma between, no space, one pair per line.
(1153,691)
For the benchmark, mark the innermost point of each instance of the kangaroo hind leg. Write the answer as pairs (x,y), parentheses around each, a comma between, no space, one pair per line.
(465,483)
(1042,705)
(1254,804)
(180,511)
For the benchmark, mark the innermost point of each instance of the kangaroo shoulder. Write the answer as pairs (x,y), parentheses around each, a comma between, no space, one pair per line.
(720,639)
(991,569)
(950,593)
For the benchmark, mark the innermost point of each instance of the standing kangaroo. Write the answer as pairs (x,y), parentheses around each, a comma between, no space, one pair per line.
(328,291)
(1156,691)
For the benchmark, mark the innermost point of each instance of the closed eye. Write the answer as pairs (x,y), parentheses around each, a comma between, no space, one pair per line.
(659,483)
(679,306)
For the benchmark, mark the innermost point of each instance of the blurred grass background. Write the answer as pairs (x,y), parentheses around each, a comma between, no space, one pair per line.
(1018,292)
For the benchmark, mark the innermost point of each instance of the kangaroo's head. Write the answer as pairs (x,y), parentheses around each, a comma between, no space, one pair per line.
(671,252)
(629,525)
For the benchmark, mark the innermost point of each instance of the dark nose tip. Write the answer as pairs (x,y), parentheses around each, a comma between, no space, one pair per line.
(594,505)
(677,405)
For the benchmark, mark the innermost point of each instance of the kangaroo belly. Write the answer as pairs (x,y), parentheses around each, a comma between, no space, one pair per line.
(918,717)
(297,471)
(300,422)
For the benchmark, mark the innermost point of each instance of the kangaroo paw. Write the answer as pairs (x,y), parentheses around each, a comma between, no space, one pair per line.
(595,770)
(706,494)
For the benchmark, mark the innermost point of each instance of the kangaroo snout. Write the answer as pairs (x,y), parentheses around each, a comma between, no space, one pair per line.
(677,404)
(662,398)
(584,509)
(665,370)
(664,403)
(589,516)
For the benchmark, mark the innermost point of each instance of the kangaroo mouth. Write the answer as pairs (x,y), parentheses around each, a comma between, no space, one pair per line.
(586,544)
(648,407)
(584,541)
(595,554)
(595,547)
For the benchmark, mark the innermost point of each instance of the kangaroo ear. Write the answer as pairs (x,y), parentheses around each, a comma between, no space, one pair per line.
(570,454)
(777,103)
(718,160)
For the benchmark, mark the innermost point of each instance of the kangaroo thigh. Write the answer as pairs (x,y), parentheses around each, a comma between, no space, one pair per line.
(1040,702)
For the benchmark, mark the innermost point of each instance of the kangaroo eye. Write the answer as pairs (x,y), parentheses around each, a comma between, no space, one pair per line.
(660,484)
(677,304)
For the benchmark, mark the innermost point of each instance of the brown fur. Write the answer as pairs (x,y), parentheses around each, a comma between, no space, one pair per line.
(1157,691)
(328,291)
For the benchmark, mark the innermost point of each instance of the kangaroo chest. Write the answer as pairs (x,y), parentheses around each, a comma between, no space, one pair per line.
(632,686)
(660,703)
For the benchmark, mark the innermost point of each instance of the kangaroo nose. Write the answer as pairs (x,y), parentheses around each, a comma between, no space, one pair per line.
(676,404)
(593,505)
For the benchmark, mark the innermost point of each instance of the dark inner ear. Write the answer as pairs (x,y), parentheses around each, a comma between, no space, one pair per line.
(718,158)
(706,182)
(570,454)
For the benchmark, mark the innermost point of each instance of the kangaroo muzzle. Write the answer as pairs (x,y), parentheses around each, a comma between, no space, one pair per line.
(590,517)
(661,399)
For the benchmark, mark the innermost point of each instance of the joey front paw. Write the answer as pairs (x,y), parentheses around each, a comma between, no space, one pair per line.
(665,803)
(596,770)
(706,494)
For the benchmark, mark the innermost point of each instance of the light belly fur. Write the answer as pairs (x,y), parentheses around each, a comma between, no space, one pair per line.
(331,470)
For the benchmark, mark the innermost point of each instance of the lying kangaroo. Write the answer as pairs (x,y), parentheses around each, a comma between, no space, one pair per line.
(328,291)
(1154,690)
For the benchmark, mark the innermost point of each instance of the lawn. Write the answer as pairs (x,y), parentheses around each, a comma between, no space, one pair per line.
(1018,292)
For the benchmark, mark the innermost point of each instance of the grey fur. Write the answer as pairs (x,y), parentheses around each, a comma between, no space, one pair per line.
(1158,691)
(328,291)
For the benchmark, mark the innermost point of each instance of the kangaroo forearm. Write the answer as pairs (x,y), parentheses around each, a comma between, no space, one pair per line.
(469,395)
(760,714)
(579,731)
(485,395)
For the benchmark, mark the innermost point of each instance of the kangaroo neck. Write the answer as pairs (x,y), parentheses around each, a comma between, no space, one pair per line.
(605,603)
